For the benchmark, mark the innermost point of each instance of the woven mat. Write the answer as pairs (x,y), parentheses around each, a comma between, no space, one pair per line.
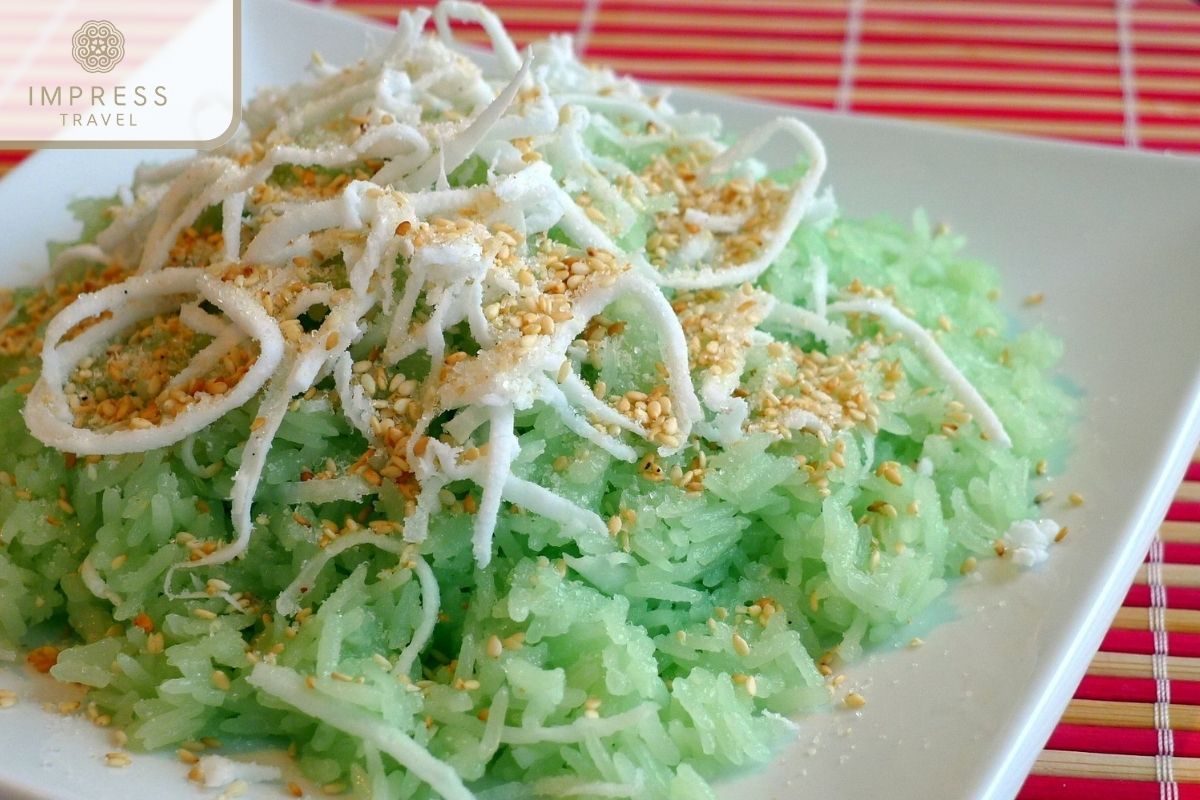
(1115,72)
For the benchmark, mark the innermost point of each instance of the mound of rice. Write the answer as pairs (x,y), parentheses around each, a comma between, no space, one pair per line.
(644,662)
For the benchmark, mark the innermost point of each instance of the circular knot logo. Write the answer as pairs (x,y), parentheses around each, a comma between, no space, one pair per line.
(98,46)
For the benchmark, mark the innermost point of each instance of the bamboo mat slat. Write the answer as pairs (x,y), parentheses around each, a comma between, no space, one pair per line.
(1119,72)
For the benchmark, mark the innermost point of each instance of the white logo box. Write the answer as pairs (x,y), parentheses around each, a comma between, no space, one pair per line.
(119,73)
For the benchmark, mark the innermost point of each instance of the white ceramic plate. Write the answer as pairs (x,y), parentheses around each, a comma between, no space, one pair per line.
(1111,239)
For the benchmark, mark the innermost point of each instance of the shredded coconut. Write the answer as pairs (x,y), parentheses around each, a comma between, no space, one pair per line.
(1028,541)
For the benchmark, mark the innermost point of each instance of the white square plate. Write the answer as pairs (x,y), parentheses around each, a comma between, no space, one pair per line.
(1112,240)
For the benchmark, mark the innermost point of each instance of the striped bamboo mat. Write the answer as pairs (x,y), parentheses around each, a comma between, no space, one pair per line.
(1117,72)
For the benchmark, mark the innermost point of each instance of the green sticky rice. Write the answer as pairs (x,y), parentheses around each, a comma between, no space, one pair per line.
(703,627)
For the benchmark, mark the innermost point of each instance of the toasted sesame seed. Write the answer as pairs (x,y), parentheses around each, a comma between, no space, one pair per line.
(740,645)
(8,698)
(968,565)
(855,700)
(117,760)
(220,680)
(890,471)
(203,613)
(494,647)
(1062,534)
(1075,499)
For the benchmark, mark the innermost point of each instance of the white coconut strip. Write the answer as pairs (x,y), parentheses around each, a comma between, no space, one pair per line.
(462,145)
(581,395)
(231,224)
(128,302)
(416,526)
(437,467)
(305,114)
(802,195)
(342,211)
(150,173)
(219,771)
(95,584)
(234,603)
(409,25)
(502,44)
(76,254)
(288,601)
(289,687)
(375,772)
(435,328)
(497,466)
(355,404)
(336,334)
(552,396)
(803,320)
(481,331)
(545,503)
(630,108)
(493,729)
(384,214)
(717,223)
(540,118)
(387,269)
(317,294)
(439,202)
(580,729)
(328,490)
(399,336)
(187,454)
(798,419)
(123,318)
(585,233)
(207,181)
(966,392)
(46,412)
(393,140)
(673,345)
(199,320)
(730,412)
(271,411)
(820,286)
(206,359)
(218,179)
(431,603)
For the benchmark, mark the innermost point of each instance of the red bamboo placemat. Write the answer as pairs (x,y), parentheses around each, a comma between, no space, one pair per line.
(1116,72)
